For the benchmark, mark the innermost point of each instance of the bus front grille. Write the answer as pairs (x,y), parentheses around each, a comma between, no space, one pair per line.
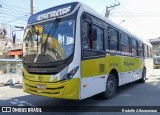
(48,88)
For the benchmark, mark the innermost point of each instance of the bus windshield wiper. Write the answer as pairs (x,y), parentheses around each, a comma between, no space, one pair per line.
(52,30)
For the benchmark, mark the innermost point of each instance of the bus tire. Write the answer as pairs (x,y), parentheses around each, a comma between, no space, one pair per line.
(111,87)
(143,79)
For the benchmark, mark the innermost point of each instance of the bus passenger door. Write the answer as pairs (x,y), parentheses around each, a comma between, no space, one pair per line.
(93,60)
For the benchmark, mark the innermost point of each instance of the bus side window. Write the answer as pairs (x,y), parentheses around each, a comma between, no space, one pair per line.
(92,40)
(134,47)
(86,40)
(151,53)
(97,38)
(92,37)
(148,54)
(113,39)
(145,51)
(124,43)
(140,49)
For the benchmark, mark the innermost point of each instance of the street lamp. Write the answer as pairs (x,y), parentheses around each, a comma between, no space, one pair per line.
(21,28)
(121,22)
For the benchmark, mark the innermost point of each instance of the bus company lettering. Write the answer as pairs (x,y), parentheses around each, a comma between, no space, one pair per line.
(113,64)
(126,63)
(54,13)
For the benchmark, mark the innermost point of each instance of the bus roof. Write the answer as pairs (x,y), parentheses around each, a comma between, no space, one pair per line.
(69,8)
(96,14)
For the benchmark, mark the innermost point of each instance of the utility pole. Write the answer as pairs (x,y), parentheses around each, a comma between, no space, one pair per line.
(108,9)
(32,7)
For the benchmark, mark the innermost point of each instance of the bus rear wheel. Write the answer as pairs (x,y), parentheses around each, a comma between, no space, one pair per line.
(111,87)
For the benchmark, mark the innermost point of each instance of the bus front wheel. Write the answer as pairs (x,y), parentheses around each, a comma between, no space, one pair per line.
(111,87)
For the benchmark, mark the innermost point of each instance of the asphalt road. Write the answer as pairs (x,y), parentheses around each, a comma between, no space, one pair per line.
(133,94)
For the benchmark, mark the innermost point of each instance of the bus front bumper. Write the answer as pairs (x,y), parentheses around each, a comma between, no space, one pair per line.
(68,89)
(157,66)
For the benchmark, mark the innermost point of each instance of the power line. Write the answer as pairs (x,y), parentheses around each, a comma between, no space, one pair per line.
(19,23)
(18,18)
(11,17)
(4,16)
(129,20)
(14,6)
(106,2)
(9,11)
(14,10)
(124,15)
(22,23)
(123,7)
(15,22)
(9,14)
(137,16)
(143,13)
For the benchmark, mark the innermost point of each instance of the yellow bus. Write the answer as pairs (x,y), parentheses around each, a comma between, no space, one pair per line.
(72,52)
(156,62)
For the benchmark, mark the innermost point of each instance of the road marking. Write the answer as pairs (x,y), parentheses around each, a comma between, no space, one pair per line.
(13,102)
(21,105)
(16,102)
(25,102)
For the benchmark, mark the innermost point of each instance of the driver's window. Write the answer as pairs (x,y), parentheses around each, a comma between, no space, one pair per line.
(92,37)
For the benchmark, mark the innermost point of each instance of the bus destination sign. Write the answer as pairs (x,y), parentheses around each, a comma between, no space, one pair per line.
(52,12)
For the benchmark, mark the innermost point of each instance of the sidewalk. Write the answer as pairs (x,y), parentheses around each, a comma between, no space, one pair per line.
(155,73)
(5,78)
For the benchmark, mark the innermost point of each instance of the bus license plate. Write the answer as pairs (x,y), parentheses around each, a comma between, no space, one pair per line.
(41,86)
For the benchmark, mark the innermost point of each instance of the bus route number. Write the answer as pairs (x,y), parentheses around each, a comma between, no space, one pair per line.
(113,64)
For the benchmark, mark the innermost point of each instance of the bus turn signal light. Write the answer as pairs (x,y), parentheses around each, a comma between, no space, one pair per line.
(71,74)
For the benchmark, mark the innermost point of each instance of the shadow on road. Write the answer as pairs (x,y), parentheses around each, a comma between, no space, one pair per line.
(127,87)
(18,86)
(92,101)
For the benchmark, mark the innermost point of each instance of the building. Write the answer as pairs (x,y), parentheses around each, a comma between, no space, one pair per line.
(15,52)
(155,46)
(2,55)
(5,45)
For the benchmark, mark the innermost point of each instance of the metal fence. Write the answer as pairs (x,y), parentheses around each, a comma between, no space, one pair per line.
(8,66)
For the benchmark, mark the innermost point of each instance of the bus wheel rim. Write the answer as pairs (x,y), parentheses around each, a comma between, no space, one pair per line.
(110,86)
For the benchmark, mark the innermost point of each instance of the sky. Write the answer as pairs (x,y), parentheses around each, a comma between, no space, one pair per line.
(141,17)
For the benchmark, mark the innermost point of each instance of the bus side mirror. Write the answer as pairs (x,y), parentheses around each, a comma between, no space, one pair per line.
(94,34)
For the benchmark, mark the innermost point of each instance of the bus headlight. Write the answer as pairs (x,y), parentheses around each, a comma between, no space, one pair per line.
(70,75)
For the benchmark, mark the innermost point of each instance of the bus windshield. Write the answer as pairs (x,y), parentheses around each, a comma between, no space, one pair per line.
(50,41)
